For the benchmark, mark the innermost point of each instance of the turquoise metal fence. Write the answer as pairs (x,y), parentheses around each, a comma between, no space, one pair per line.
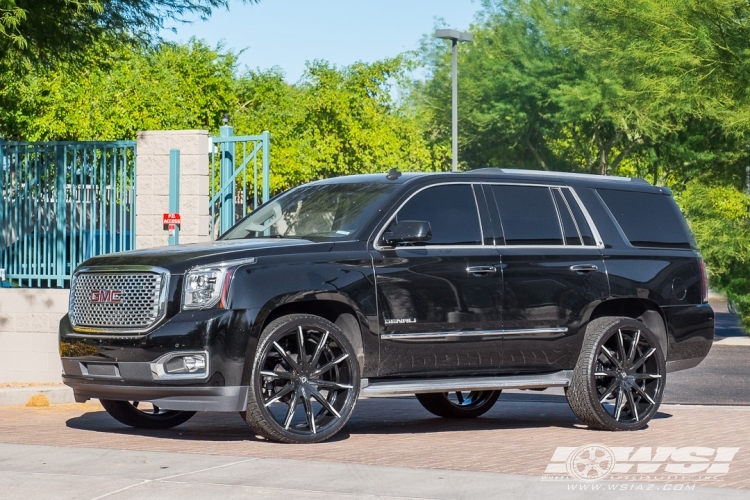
(231,192)
(61,203)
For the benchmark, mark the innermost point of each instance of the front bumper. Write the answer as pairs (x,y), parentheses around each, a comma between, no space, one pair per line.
(121,368)
(201,398)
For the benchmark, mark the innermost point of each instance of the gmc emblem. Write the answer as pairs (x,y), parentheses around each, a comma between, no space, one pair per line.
(105,296)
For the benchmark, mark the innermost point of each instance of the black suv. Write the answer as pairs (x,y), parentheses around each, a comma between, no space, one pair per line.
(450,286)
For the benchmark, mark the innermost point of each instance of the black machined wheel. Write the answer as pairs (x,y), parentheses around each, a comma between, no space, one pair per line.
(460,404)
(145,416)
(305,380)
(619,379)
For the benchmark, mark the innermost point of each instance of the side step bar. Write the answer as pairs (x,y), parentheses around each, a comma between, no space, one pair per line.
(402,387)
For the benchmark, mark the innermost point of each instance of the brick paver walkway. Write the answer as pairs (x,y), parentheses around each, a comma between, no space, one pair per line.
(514,437)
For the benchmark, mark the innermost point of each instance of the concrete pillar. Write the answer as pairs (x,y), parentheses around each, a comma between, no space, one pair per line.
(152,186)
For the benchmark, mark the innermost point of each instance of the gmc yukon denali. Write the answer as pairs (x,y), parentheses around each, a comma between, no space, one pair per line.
(447,286)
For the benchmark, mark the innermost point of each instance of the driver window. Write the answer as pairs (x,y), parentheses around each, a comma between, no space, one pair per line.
(451,211)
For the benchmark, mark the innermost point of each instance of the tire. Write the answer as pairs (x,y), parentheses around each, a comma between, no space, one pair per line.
(466,405)
(619,379)
(127,412)
(314,397)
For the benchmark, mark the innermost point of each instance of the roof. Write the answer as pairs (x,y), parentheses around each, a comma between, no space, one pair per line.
(509,174)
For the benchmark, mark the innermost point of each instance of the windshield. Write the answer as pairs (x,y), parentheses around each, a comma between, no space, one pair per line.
(317,212)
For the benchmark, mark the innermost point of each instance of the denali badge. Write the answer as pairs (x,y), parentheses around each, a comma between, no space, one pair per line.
(105,296)
(400,321)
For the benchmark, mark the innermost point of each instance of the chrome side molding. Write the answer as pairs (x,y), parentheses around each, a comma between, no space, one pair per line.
(403,387)
(482,334)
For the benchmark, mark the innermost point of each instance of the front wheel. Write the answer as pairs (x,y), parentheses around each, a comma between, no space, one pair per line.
(466,404)
(145,416)
(304,381)
(619,379)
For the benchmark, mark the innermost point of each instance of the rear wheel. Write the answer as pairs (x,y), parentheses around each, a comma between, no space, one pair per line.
(145,415)
(460,404)
(619,379)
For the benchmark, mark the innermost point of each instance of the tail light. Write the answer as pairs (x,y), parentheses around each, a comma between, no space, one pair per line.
(704,281)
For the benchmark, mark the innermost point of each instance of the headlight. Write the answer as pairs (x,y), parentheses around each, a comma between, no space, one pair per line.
(205,286)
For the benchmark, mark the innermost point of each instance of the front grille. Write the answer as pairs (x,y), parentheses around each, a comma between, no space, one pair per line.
(119,302)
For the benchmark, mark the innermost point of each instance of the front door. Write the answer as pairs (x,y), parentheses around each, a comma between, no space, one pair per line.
(552,269)
(440,302)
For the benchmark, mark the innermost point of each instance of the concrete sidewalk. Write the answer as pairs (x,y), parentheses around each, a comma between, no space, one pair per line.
(45,472)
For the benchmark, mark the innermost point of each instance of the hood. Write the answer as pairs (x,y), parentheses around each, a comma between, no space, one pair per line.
(179,258)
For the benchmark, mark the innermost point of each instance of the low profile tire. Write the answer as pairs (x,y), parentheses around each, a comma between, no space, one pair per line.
(459,404)
(127,412)
(619,379)
(304,380)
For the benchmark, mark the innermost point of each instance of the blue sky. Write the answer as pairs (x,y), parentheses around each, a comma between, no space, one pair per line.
(287,33)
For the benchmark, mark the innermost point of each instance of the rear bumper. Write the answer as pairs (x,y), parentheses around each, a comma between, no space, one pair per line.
(690,335)
(186,398)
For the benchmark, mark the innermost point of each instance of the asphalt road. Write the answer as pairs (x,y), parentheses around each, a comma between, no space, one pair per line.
(723,378)
(727,325)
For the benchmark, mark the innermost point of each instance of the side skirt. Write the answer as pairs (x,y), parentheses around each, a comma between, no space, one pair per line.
(402,387)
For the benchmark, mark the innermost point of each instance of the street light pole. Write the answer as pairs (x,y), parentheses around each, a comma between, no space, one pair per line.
(454,36)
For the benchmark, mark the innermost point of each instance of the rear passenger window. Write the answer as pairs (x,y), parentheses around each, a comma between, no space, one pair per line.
(648,219)
(451,211)
(583,226)
(570,231)
(528,215)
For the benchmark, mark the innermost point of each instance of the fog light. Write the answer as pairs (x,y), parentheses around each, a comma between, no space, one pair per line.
(186,364)
(181,365)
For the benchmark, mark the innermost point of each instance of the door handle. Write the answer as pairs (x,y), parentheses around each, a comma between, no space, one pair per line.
(584,268)
(481,269)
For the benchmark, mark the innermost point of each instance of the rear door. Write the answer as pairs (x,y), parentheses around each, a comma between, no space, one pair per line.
(440,301)
(552,270)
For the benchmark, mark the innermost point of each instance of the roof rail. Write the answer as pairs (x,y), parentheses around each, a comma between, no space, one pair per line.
(546,173)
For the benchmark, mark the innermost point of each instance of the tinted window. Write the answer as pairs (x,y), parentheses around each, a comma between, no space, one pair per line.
(583,226)
(648,219)
(569,227)
(528,215)
(451,212)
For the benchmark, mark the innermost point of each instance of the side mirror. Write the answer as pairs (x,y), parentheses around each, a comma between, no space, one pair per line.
(408,231)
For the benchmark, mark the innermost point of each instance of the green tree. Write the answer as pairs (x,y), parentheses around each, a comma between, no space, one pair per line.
(597,87)
(334,122)
(169,87)
(525,99)
(684,71)
(51,30)
(718,216)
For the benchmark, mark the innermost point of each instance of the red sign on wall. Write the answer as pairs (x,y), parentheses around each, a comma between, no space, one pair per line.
(171,219)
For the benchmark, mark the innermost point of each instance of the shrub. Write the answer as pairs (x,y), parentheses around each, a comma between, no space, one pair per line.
(720,219)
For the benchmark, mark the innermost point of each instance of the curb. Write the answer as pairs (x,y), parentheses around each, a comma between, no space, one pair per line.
(19,396)
(733,341)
